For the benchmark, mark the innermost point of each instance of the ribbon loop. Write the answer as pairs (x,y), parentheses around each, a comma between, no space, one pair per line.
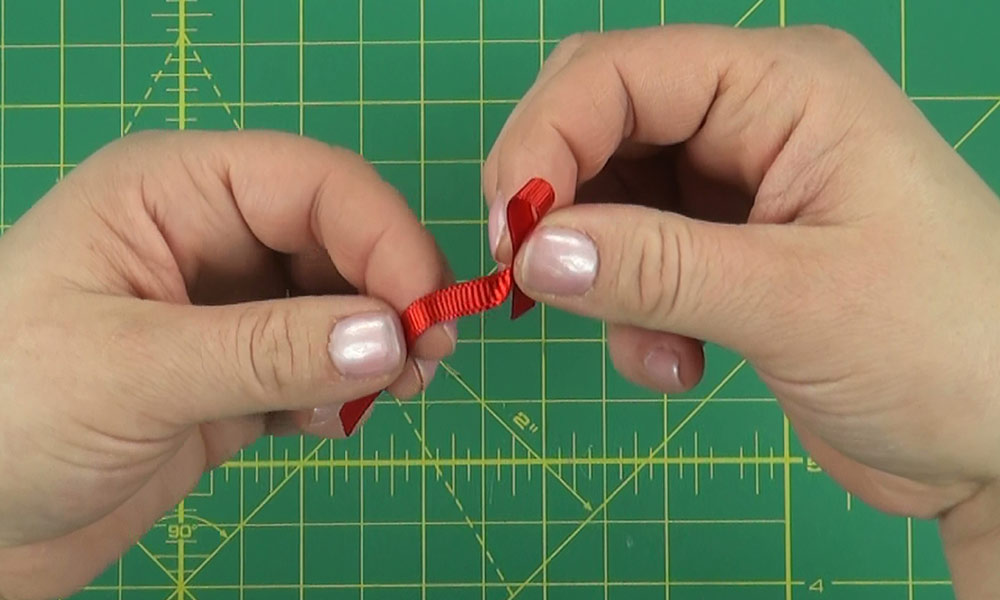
(471,297)
(523,212)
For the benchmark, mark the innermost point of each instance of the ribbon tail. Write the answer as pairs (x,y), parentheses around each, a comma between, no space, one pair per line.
(520,303)
(351,412)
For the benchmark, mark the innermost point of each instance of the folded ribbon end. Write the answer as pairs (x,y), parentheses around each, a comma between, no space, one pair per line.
(523,214)
(351,412)
(520,303)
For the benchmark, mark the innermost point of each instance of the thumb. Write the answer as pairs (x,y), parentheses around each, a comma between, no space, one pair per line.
(726,284)
(203,363)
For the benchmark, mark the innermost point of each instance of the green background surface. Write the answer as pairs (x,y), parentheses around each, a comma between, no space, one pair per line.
(530,468)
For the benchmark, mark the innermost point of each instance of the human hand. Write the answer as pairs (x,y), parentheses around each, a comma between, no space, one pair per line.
(773,191)
(147,335)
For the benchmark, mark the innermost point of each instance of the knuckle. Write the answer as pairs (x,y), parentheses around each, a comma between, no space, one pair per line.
(267,354)
(572,44)
(650,280)
(828,36)
(827,51)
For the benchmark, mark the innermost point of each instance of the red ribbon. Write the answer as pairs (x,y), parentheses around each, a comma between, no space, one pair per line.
(474,296)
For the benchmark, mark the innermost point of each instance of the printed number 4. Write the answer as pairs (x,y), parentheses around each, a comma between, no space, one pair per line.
(816,586)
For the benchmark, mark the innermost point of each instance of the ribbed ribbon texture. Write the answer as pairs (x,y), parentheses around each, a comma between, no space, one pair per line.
(474,296)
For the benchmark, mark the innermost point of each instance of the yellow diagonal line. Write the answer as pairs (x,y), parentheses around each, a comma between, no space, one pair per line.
(451,371)
(157,562)
(978,124)
(149,90)
(749,13)
(242,524)
(215,87)
(454,495)
(628,480)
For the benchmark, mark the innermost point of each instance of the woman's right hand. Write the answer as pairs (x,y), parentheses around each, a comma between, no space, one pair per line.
(775,192)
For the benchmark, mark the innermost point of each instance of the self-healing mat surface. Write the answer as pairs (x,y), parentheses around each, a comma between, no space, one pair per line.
(530,469)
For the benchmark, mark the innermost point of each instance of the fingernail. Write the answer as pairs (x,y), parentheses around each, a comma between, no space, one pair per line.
(559,261)
(663,368)
(366,345)
(426,370)
(497,226)
(451,328)
(325,415)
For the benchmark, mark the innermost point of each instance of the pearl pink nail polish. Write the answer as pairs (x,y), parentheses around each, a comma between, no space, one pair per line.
(497,225)
(366,346)
(559,262)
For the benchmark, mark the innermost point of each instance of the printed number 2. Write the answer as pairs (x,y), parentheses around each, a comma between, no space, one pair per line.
(816,586)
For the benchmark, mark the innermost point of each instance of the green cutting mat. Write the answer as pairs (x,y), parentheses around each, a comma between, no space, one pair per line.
(530,469)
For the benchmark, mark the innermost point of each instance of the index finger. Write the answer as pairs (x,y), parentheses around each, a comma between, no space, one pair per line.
(225,201)
(659,86)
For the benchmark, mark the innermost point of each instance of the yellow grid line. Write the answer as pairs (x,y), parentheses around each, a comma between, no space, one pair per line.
(62,88)
(242,478)
(317,524)
(458,462)
(243,78)
(423,216)
(482,317)
(181,547)
(182,43)
(787,488)
(559,584)
(302,479)
(3,116)
(940,98)
(543,381)
(902,45)
(666,428)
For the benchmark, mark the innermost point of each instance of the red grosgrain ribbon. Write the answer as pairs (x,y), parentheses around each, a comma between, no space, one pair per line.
(474,296)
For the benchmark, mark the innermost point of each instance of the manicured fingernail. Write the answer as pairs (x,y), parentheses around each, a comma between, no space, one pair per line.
(497,226)
(325,415)
(663,367)
(559,261)
(366,345)
(426,370)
